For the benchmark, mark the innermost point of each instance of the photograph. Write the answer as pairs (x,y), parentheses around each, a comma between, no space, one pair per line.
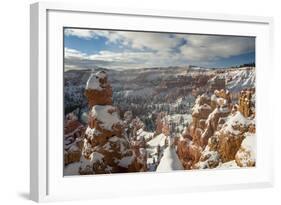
(149,101)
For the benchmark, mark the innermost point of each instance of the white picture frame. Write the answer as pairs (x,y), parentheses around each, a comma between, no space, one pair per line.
(46,63)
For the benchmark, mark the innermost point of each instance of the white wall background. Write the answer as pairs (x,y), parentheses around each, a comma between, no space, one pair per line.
(14,101)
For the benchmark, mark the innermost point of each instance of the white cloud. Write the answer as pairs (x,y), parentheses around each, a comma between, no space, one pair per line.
(210,48)
(81,33)
(155,41)
(143,49)
(73,53)
(117,60)
(136,40)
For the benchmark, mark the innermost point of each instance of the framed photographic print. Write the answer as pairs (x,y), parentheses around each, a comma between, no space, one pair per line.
(121,98)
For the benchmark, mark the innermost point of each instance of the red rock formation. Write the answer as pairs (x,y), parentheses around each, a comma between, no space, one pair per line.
(208,116)
(98,90)
(200,113)
(227,141)
(160,123)
(106,149)
(189,147)
(228,146)
(166,127)
(221,103)
(73,134)
(189,153)
(134,127)
(245,103)
(208,160)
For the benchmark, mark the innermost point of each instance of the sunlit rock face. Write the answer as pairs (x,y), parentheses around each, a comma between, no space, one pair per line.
(208,113)
(219,132)
(200,113)
(189,153)
(105,148)
(245,103)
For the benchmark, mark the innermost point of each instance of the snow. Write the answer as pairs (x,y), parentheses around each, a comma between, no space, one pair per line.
(144,134)
(227,165)
(114,139)
(184,101)
(92,132)
(247,151)
(126,161)
(233,120)
(215,111)
(240,78)
(72,169)
(223,109)
(196,108)
(107,147)
(170,161)
(211,157)
(152,150)
(214,97)
(96,157)
(249,142)
(73,95)
(143,151)
(101,74)
(158,140)
(74,148)
(85,163)
(150,160)
(107,115)
(138,92)
(187,118)
(211,116)
(178,122)
(93,83)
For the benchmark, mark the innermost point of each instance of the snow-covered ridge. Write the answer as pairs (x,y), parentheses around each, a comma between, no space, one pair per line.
(240,79)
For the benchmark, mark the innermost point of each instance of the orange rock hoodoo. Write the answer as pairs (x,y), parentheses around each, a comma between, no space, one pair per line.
(98,90)
(162,124)
(245,103)
(217,131)
(105,149)
(73,134)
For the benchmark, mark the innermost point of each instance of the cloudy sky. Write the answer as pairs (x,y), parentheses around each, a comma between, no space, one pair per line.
(86,48)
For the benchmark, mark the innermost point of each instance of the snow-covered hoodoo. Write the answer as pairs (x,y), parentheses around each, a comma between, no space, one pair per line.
(185,119)
(220,132)
(105,149)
